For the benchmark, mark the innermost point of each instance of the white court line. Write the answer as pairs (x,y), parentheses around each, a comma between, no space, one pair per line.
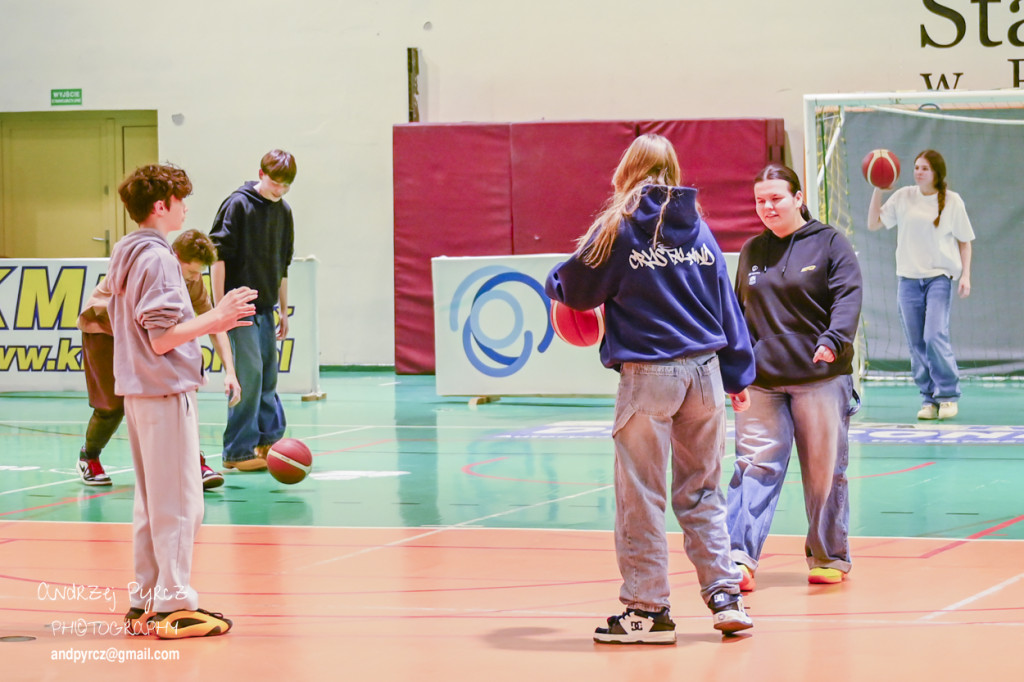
(63,481)
(367,550)
(122,471)
(972,599)
(336,433)
(468,427)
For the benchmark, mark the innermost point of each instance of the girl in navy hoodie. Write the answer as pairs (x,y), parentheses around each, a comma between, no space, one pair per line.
(800,287)
(676,334)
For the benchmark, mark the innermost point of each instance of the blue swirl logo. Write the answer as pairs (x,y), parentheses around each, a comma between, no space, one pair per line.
(505,294)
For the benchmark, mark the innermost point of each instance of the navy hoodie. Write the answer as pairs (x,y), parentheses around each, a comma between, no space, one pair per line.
(254,237)
(800,292)
(663,301)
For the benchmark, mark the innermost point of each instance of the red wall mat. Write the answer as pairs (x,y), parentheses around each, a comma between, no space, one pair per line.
(452,197)
(721,157)
(561,177)
(492,189)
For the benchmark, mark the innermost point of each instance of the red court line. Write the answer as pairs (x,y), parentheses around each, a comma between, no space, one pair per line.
(901,471)
(980,534)
(68,500)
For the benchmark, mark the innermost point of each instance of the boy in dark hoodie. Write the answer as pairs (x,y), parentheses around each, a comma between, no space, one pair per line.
(254,235)
(675,332)
(158,365)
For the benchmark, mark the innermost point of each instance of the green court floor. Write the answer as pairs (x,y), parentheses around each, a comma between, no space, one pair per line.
(390,452)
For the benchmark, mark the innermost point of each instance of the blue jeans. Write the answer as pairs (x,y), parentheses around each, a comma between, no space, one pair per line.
(258,419)
(924,310)
(817,417)
(674,408)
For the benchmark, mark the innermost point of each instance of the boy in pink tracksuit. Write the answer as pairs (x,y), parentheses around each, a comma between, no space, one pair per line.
(157,368)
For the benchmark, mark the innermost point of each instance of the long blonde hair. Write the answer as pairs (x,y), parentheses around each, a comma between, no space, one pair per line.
(650,160)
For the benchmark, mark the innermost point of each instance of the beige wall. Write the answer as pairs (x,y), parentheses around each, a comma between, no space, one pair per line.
(327,79)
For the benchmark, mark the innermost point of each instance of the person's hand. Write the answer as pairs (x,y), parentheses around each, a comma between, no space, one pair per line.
(740,401)
(282,328)
(232,389)
(965,287)
(824,353)
(235,306)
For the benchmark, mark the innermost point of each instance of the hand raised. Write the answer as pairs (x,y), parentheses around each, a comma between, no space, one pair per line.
(235,306)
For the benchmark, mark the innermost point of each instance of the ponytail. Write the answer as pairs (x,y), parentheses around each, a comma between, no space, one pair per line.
(938,165)
(777,171)
(942,202)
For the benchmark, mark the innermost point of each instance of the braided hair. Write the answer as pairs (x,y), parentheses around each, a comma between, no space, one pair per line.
(938,165)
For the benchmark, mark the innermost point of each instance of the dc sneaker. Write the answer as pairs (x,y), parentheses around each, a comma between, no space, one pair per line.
(638,627)
(728,613)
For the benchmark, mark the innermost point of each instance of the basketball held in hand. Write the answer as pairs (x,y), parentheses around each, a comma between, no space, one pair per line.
(577,327)
(881,168)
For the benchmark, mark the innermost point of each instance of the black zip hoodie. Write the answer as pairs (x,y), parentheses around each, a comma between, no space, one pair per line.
(797,293)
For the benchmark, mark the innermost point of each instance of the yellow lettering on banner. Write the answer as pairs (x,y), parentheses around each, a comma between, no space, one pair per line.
(211,360)
(29,358)
(40,307)
(277,315)
(69,358)
(3,275)
(284,361)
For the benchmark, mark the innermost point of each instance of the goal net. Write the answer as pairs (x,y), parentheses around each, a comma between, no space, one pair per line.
(981,137)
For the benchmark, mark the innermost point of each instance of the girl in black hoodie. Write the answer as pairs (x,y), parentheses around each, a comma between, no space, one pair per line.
(799,285)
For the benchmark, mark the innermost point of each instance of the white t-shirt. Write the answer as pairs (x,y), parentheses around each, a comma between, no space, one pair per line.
(923,250)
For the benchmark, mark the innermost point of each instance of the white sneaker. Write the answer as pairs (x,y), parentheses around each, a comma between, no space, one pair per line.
(638,627)
(929,411)
(947,410)
(728,613)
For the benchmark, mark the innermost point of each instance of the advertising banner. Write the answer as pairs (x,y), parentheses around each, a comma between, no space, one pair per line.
(41,348)
(493,332)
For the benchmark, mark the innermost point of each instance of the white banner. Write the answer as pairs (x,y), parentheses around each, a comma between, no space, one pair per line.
(493,336)
(41,347)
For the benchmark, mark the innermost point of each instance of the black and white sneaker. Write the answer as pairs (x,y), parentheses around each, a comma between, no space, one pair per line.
(92,472)
(728,613)
(638,627)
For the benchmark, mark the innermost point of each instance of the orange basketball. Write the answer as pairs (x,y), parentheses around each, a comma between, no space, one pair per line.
(577,327)
(881,168)
(289,460)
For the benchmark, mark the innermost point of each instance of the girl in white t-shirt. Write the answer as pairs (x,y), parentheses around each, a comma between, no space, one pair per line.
(933,248)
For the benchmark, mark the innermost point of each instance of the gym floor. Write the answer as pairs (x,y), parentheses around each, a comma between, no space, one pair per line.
(440,540)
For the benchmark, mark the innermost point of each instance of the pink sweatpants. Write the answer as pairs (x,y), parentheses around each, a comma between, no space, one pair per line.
(164,436)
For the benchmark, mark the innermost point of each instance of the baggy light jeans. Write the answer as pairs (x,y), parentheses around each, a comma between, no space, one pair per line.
(924,311)
(258,418)
(672,411)
(817,417)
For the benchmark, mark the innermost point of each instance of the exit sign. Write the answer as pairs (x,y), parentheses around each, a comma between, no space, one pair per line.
(65,97)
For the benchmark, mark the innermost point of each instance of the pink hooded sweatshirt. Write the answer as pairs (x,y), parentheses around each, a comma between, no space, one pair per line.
(149,296)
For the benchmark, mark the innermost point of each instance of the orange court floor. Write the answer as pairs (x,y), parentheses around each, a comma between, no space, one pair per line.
(441,541)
